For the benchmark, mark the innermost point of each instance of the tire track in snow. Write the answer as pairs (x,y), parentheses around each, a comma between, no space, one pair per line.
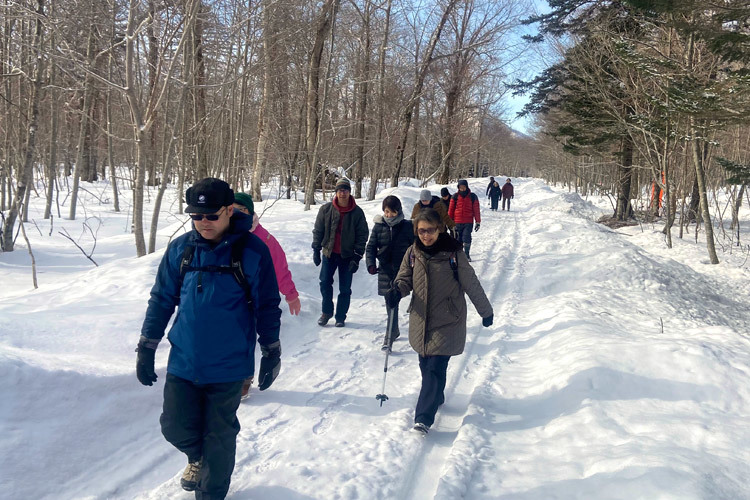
(445,450)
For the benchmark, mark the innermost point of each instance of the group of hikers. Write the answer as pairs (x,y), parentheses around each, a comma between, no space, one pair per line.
(226,276)
(495,192)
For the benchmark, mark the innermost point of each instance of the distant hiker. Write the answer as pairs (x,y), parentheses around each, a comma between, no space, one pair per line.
(390,237)
(244,203)
(507,193)
(465,210)
(445,197)
(439,274)
(222,280)
(340,232)
(489,186)
(427,200)
(495,193)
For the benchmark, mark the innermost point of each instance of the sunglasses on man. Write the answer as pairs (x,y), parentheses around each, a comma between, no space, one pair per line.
(208,217)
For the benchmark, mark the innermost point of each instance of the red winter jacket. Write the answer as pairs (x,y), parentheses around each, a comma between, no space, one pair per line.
(464,209)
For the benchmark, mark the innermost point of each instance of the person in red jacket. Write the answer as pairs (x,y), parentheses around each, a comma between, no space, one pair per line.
(464,210)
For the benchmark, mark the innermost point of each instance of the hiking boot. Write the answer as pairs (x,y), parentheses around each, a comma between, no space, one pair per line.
(190,477)
(340,324)
(421,428)
(324,318)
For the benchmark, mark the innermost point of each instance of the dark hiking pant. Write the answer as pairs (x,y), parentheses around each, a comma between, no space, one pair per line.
(463,235)
(431,394)
(493,202)
(328,268)
(396,333)
(200,420)
(504,200)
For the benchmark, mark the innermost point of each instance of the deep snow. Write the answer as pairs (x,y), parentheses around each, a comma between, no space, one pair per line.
(616,369)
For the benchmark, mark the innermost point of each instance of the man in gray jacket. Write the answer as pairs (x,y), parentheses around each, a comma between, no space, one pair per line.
(340,233)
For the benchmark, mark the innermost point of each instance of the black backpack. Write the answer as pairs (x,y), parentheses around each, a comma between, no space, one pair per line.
(235,269)
(472,197)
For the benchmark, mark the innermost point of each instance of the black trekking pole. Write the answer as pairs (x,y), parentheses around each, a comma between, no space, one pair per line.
(388,332)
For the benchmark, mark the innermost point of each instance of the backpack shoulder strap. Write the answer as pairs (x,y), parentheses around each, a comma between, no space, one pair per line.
(454,264)
(187,257)
(238,248)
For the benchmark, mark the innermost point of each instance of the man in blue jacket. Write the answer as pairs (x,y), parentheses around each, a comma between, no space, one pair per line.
(222,279)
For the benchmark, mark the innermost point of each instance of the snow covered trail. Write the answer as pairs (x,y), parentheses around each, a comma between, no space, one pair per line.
(575,391)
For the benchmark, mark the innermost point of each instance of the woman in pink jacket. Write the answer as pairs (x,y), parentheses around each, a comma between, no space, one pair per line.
(244,203)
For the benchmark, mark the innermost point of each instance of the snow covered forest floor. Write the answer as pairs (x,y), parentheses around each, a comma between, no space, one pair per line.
(616,369)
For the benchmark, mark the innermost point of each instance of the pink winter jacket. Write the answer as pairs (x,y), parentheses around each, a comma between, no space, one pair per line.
(283,275)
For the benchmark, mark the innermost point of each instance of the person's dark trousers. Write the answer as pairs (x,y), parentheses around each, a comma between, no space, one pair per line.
(431,395)
(493,203)
(396,333)
(463,234)
(201,421)
(504,200)
(328,268)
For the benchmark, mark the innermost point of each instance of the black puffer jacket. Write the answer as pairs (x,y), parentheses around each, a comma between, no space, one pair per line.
(388,245)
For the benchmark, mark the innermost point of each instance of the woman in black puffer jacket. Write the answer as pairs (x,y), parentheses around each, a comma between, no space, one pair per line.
(391,236)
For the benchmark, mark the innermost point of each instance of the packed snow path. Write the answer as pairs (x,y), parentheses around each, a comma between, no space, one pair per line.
(575,391)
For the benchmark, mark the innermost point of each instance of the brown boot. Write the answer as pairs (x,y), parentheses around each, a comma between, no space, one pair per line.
(189,480)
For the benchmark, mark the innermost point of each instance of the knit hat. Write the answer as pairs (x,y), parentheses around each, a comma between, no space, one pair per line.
(246,200)
(343,183)
(445,192)
(208,196)
(425,195)
(463,182)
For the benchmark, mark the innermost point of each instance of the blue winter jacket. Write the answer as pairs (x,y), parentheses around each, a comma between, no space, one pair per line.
(213,334)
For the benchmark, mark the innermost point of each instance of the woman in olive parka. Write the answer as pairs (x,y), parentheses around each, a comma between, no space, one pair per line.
(436,269)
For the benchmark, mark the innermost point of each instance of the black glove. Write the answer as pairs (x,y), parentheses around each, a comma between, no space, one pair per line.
(144,366)
(392,297)
(476,227)
(488,320)
(372,269)
(353,265)
(270,364)
(316,257)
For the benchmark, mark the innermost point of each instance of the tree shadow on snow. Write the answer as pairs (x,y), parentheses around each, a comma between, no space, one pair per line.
(275,492)
(598,383)
(359,405)
(642,482)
